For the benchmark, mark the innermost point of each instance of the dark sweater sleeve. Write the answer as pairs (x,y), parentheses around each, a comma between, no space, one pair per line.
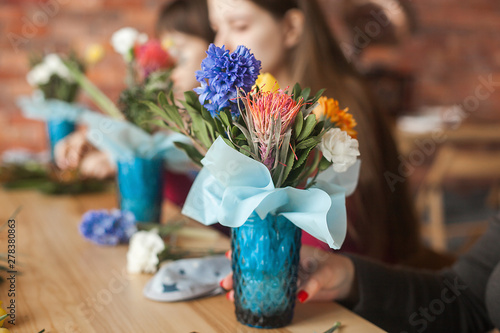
(405,300)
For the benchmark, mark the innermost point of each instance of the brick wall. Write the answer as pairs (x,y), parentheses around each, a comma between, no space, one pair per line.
(455,45)
(457,42)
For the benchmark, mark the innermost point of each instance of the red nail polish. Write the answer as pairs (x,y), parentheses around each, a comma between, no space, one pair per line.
(227,296)
(302,296)
(228,254)
(220,284)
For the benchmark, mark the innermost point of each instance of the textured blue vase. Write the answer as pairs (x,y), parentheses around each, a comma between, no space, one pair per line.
(58,130)
(265,262)
(140,186)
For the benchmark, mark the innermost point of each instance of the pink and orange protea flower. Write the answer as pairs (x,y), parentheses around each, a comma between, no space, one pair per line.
(269,115)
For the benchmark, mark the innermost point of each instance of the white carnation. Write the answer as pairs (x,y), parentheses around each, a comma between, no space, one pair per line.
(340,149)
(56,66)
(51,65)
(38,75)
(124,39)
(142,255)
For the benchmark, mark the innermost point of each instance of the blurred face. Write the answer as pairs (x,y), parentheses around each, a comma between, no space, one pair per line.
(188,52)
(241,22)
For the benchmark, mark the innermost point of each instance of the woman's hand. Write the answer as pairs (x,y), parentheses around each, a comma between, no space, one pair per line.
(323,276)
(96,164)
(69,152)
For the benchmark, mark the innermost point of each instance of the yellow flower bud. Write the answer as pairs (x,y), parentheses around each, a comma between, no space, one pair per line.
(267,82)
(94,53)
(167,43)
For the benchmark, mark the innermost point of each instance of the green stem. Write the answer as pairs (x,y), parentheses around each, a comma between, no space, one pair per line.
(101,100)
(334,327)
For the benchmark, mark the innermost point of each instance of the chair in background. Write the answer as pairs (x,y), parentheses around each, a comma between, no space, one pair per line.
(465,156)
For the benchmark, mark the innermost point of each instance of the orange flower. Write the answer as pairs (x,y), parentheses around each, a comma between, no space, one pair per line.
(328,108)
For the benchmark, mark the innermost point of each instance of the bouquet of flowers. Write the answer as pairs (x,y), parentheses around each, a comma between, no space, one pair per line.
(281,130)
(270,158)
(50,75)
(148,71)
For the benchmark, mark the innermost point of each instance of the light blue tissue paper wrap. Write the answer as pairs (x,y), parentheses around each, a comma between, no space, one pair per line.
(37,107)
(231,186)
(122,141)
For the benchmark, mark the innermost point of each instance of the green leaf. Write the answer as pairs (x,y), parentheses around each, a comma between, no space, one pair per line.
(154,108)
(293,176)
(199,126)
(307,143)
(229,143)
(219,127)
(162,100)
(282,157)
(248,137)
(245,150)
(299,122)
(302,157)
(191,151)
(191,98)
(296,92)
(324,164)
(307,128)
(223,117)
(317,96)
(320,129)
(305,94)
(289,165)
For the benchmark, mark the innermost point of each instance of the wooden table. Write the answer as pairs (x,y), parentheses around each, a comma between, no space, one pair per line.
(67,284)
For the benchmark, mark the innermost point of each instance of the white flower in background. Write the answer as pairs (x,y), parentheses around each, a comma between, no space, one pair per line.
(123,40)
(57,67)
(51,65)
(142,255)
(340,149)
(38,75)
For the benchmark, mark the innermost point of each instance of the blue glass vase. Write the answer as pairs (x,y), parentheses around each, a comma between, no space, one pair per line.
(265,262)
(140,187)
(58,130)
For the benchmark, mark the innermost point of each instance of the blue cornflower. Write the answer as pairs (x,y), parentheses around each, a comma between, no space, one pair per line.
(222,73)
(108,228)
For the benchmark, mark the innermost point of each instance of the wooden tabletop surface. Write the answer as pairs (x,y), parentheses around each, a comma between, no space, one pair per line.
(67,284)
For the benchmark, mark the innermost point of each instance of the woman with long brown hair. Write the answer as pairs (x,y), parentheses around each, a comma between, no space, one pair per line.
(294,43)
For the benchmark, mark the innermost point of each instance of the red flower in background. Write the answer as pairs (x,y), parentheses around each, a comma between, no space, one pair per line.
(151,57)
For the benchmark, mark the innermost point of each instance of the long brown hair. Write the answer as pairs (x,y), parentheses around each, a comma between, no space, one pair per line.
(186,16)
(385,224)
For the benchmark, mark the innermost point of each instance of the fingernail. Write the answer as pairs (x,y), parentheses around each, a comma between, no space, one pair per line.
(302,296)
(228,254)
(227,296)
(220,284)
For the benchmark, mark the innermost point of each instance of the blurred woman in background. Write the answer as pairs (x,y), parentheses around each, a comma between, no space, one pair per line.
(294,43)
